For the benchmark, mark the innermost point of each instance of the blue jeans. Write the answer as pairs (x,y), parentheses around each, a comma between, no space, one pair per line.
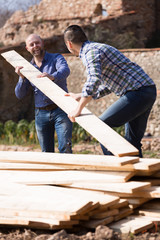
(47,122)
(131,109)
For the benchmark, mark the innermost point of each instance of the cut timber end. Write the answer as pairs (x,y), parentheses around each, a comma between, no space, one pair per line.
(102,132)
(128,154)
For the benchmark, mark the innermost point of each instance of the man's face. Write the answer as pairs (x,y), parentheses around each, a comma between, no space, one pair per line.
(34,45)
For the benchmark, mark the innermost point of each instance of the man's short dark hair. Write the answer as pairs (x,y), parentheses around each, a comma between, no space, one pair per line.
(75,34)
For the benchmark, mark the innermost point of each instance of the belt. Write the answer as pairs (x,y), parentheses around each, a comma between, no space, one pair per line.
(48,107)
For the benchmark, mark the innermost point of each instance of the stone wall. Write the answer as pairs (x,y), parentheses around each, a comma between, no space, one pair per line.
(121,23)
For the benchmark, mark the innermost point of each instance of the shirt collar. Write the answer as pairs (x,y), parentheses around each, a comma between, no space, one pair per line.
(82,48)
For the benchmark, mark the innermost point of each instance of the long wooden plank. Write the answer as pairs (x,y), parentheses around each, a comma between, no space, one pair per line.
(102,132)
(134,226)
(123,212)
(127,187)
(152,192)
(29,167)
(57,199)
(62,177)
(150,212)
(66,158)
(148,164)
(39,223)
(42,208)
(137,201)
(94,223)
(149,193)
(155,220)
(104,214)
(121,204)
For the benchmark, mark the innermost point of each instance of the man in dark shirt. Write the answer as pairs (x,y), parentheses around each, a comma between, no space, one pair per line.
(48,116)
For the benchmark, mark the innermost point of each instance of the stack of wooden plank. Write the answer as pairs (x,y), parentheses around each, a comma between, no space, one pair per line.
(55,191)
(60,191)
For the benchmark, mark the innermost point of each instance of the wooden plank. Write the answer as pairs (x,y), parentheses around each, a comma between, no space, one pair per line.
(38,223)
(103,133)
(54,199)
(62,177)
(60,167)
(150,212)
(65,159)
(148,164)
(149,193)
(123,212)
(157,174)
(116,176)
(128,187)
(47,198)
(121,204)
(104,214)
(155,220)
(94,223)
(9,188)
(152,192)
(29,167)
(85,214)
(131,226)
(137,201)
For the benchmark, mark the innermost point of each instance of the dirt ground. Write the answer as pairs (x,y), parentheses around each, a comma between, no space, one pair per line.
(100,233)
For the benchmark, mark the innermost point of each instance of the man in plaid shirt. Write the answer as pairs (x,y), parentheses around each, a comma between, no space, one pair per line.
(108,70)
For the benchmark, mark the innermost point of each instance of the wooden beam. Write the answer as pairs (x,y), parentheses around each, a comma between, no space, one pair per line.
(127,187)
(134,226)
(62,177)
(98,129)
(66,159)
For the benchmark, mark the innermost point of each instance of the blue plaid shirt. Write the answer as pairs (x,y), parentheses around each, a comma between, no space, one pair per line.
(108,70)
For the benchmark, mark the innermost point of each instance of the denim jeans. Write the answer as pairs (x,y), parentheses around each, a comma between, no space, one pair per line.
(47,122)
(131,109)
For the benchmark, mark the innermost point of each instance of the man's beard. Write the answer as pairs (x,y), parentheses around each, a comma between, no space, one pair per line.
(39,54)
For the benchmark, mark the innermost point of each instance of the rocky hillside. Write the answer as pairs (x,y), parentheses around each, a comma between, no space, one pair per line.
(125,24)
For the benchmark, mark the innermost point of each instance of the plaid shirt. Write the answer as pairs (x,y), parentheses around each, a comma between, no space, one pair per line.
(108,70)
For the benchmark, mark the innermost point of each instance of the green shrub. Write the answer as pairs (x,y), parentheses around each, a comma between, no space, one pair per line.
(32,132)
(22,131)
(10,131)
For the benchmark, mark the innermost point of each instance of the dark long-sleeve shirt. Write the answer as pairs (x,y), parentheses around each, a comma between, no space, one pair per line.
(54,64)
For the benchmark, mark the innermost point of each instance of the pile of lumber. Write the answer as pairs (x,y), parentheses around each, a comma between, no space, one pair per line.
(61,191)
(55,191)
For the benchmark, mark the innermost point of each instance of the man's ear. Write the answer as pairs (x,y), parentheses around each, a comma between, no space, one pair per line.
(69,44)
